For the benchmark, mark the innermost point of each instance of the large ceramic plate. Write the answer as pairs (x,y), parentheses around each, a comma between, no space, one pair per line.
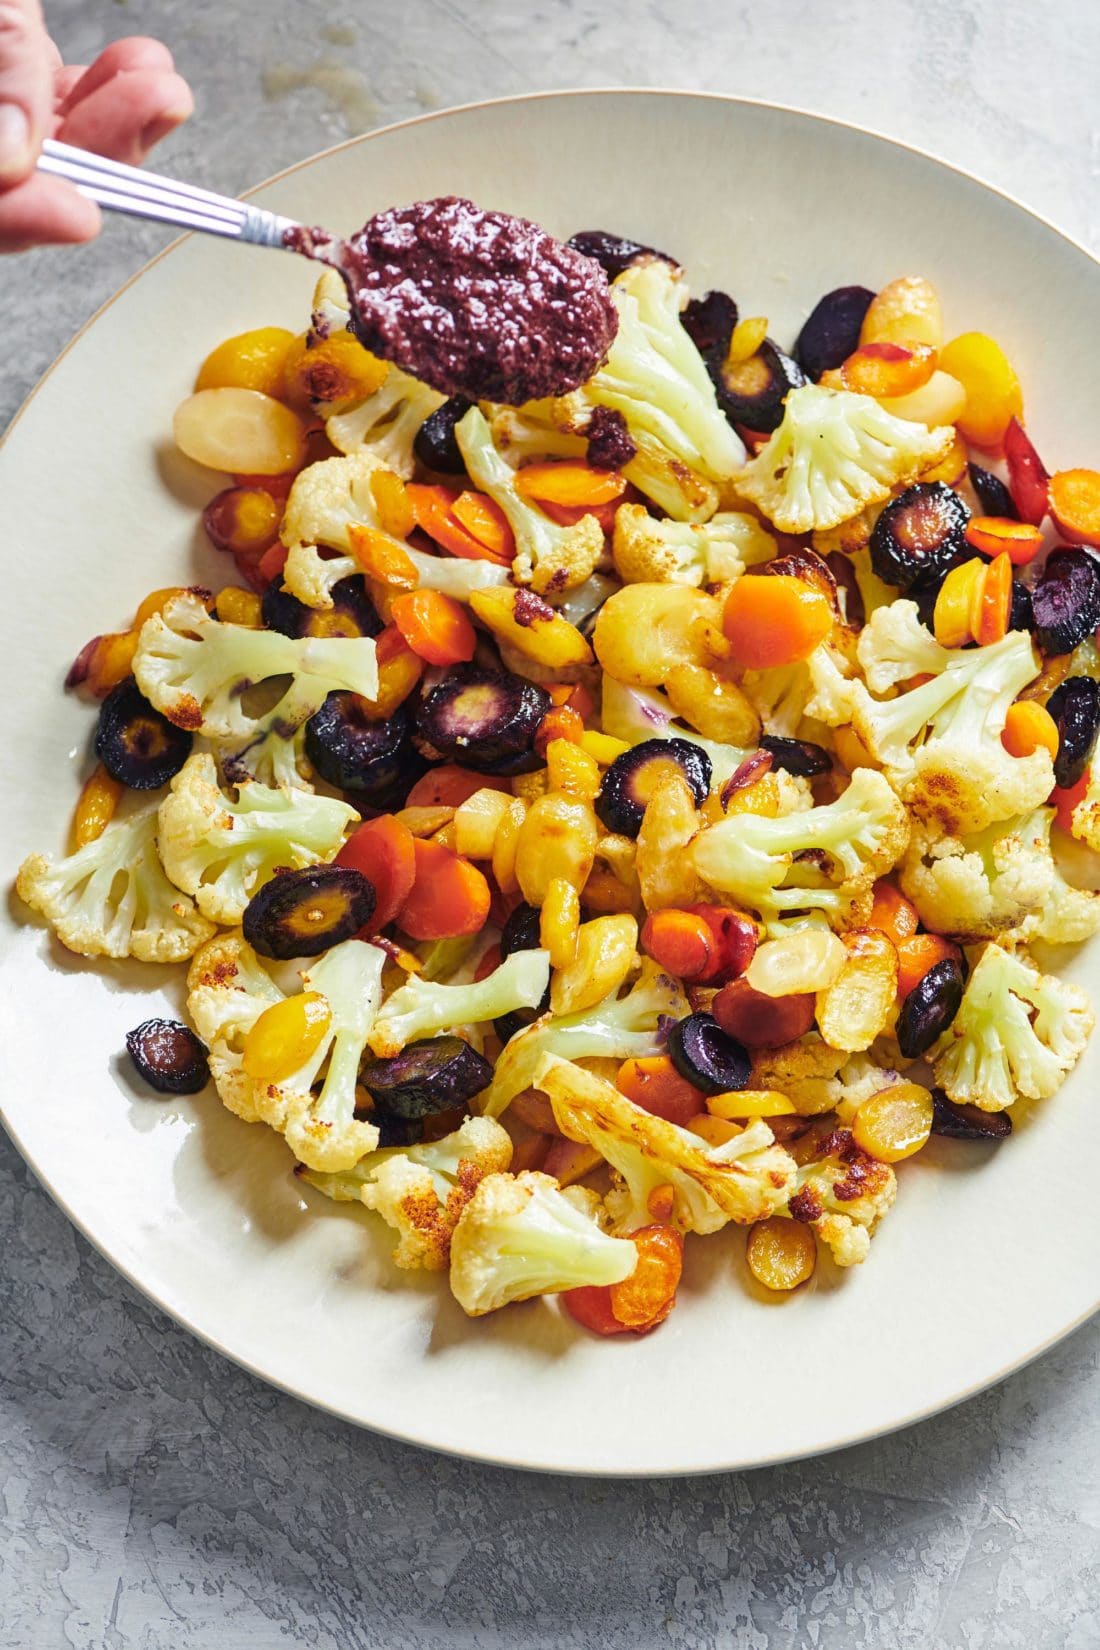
(988,1257)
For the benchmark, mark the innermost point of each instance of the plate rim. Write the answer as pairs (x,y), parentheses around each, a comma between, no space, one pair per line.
(101,1246)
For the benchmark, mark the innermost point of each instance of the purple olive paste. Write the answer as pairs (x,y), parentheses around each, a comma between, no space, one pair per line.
(473,303)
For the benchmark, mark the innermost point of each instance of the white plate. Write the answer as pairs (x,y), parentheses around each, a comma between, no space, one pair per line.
(989,1256)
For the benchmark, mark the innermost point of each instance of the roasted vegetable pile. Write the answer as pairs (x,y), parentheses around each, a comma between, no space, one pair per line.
(604,820)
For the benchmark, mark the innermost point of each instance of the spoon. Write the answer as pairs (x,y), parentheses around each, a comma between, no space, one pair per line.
(475,303)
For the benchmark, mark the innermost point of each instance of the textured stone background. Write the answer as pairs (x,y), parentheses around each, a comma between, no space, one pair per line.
(152,1496)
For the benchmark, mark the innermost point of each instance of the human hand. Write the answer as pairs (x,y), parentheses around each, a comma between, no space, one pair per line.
(120,106)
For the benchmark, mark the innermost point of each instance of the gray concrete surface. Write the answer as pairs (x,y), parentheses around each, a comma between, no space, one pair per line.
(154,1498)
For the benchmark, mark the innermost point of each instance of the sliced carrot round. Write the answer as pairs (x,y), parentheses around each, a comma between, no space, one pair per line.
(998,535)
(486,521)
(654,1084)
(1029,727)
(918,955)
(892,914)
(774,620)
(449,896)
(993,602)
(1075,504)
(383,849)
(435,626)
(591,1307)
(887,369)
(681,942)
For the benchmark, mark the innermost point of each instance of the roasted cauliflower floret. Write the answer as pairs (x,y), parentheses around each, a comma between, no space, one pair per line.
(422,1190)
(747,1179)
(549,558)
(385,424)
(982,885)
(228,990)
(421,1008)
(833,454)
(220,851)
(821,859)
(196,671)
(646,550)
(843,1194)
(635,714)
(520,1236)
(939,743)
(655,377)
(112,899)
(1017,1033)
(619,1028)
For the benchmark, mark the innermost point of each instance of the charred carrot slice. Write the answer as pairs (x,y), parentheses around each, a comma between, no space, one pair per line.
(647,1296)
(886,369)
(435,626)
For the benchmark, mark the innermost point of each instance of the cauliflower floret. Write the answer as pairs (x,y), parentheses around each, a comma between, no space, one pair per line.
(833,454)
(548,557)
(806,1071)
(196,670)
(940,743)
(422,1190)
(526,432)
(421,1007)
(520,1235)
(843,1194)
(853,840)
(268,757)
(635,714)
(228,989)
(385,425)
(321,1129)
(655,377)
(112,899)
(894,645)
(328,499)
(220,851)
(619,1028)
(745,1180)
(978,886)
(684,552)
(1085,819)
(1018,1032)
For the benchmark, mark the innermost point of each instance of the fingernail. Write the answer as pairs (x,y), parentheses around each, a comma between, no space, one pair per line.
(15,138)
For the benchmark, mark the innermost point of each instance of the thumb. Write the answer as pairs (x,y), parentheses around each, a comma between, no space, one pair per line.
(26,87)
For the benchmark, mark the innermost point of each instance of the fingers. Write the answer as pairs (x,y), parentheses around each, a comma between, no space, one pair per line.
(45,210)
(27,62)
(121,56)
(127,115)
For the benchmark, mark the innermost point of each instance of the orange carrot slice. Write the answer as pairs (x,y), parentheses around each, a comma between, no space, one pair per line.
(449,896)
(435,626)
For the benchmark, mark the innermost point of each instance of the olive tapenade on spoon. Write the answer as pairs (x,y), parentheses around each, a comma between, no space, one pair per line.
(475,303)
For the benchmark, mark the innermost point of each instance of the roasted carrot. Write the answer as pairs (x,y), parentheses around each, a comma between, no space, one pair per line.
(774,620)
(992,535)
(449,896)
(433,509)
(569,482)
(1029,727)
(917,955)
(992,603)
(484,519)
(653,1083)
(682,942)
(892,914)
(1074,497)
(382,558)
(1066,799)
(435,626)
(383,849)
(449,786)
